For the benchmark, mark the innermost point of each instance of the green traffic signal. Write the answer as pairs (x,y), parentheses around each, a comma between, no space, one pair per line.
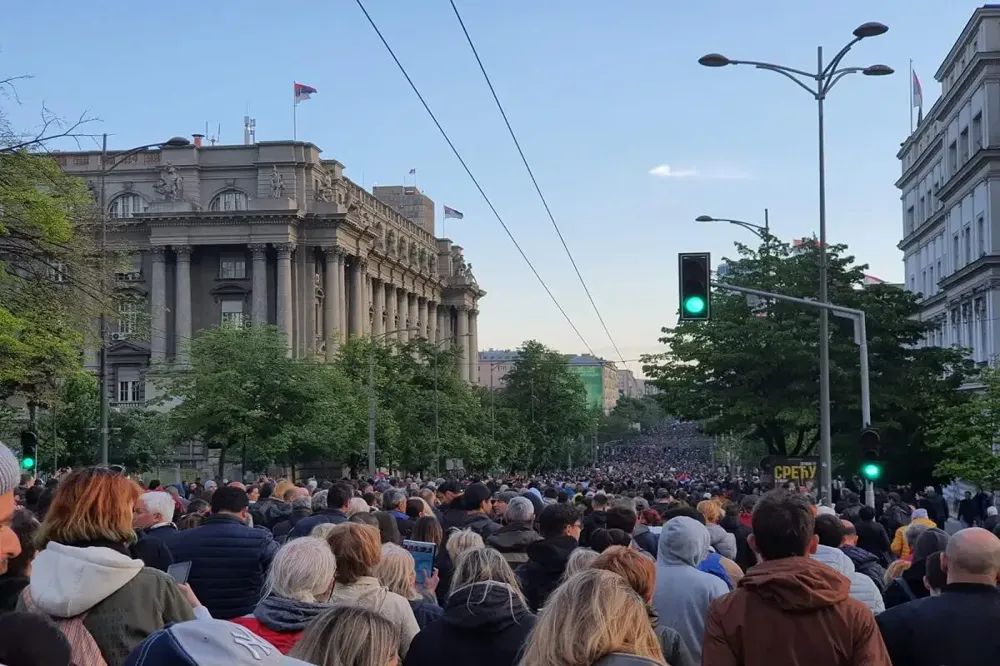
(694,305)
(27,463)
(871,471)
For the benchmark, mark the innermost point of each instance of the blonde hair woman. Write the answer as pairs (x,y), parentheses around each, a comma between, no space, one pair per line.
(485,615)
(349,636)
(590,618)
(579,559)
(357,505)
(358,551)
(723,542)
(296,592)
(397,571)
(461,541)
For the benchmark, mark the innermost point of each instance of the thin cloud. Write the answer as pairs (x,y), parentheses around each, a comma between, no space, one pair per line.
(715,173)
(667,171)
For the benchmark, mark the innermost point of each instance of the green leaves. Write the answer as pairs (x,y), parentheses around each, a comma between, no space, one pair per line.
(966,433)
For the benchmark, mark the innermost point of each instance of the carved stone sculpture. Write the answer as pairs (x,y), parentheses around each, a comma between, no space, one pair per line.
(170,186)
(277,184)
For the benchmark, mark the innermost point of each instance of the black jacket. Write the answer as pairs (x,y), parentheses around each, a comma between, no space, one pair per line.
(543,572)
(592,521)
(282,529)
(306,525)
(866,563)
(873,538)
(895,595)
(269,512)
(490,629)
(937,509)
(512,542)
(482,525)
(10,590)
(646,540)
(229,562)
(152,551)
(956,627)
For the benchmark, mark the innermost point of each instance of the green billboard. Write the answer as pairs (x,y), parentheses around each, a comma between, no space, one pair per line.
(592,377)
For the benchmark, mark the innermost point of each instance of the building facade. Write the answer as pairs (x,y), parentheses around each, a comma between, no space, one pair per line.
(950,192)
(409,202)
(494,364)
(267,233)
(600,377)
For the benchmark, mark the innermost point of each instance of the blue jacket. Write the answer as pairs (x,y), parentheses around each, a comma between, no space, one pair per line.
(306,525)
(229,562)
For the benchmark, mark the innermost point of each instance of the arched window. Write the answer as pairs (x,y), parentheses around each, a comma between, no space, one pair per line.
(230,200)
(126,205)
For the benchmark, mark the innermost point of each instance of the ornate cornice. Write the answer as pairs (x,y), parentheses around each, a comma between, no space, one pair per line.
(183,252)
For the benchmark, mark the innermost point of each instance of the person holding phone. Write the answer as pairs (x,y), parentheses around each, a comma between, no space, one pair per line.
(397,571)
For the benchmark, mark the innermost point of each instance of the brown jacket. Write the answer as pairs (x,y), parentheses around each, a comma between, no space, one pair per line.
(792,612)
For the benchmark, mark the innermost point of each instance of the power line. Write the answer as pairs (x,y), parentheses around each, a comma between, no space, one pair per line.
(534,181)
(471,177)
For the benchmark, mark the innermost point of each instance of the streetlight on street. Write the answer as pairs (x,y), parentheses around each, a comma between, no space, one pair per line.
(437,418)
(106,168)
(818,85)
(371,395)
(762,232)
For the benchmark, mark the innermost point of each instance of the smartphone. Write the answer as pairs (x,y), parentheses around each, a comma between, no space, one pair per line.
(179,572)
(423,558)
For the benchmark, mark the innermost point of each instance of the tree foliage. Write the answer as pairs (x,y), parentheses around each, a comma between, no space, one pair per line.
(755,365)
(967,432)
(644,412)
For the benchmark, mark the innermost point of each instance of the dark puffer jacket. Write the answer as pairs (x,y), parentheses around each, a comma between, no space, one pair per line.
(512,541)
(229,562)
(543,572)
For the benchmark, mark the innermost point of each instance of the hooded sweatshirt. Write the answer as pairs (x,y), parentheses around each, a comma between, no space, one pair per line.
(862,587)
(124,601)
(485,620)
(281,621)
(682,591)
(790,612)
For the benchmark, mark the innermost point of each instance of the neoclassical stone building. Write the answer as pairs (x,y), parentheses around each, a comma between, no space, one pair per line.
(268,233)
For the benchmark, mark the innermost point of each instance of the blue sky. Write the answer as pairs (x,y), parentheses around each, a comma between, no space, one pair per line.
(600,93)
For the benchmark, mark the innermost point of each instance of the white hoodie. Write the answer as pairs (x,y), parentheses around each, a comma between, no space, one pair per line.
(863,588)
(67,581)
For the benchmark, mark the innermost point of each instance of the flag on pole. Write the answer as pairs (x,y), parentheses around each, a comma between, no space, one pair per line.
(302,92)
(452,213)
(918,99)
(413,172)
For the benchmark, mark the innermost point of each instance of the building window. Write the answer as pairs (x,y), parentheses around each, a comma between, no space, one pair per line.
(953,157)
(939,273)
(232,268)
(126,205)
(977,132)
(930,285)
(981,236)
(963,140)
(967,243)
(128,318)
(230,200)
(57,271)
(129,390)
(232,313)
(909,219)
(956,261)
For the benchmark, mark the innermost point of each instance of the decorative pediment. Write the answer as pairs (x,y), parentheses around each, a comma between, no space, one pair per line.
(230,290)
(129,346)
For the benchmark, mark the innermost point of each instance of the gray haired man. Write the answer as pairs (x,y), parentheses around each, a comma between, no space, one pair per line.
(514,538)
(10,546)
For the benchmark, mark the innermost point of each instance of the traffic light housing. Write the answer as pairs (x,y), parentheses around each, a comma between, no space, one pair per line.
(871,465)
(29,451)
(695,286)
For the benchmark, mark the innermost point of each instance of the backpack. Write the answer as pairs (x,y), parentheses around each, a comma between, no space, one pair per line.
(83,647)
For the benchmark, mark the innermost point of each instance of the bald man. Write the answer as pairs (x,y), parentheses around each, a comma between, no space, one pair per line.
(959,625)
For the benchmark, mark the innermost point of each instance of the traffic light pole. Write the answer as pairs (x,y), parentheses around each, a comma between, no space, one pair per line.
(861,339)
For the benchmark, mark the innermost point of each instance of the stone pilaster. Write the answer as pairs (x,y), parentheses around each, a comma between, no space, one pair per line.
(403,308)
(182,300)
(462,342)
(391,306)
(378,305)
(414,321)
(359,309)
(432,321)
(473,341)
(331,303)
(158,305)
(259,303)
(284,296)
(422,317)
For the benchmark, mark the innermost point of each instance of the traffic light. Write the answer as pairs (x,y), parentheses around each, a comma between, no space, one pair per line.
(695,286)
(871,466)
(29,450)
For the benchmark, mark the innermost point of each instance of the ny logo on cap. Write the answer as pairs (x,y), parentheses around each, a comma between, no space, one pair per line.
(255,645)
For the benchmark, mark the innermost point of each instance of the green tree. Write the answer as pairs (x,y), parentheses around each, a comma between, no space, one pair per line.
(754,366)
(966,433)
(551,401)
(643,411)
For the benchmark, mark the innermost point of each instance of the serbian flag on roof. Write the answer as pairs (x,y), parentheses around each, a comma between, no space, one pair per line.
(302,92)
(452,213)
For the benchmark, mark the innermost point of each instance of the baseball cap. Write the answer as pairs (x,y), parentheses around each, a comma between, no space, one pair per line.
(207,643)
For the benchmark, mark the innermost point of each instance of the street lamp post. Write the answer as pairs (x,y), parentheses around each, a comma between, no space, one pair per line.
(175,142)
(819,86)
(761,231)
(371,395)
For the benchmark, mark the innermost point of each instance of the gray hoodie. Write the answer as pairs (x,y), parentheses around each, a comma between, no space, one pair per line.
(863,588)
(682,592)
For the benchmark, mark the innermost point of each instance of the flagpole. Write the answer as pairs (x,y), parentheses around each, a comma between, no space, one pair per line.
(295,118)
(911,95)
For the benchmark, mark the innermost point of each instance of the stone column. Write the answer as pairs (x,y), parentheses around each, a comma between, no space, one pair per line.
(158,306)
(432,321)
(473,340)
(284,295)
(422,312)
(444,323)
(414,316)
(331,303)
(462,342)
(389,297)
(182,301)
(307,294)
(404,315)
(358,306)
(259,295)
(369,318)
(378,303)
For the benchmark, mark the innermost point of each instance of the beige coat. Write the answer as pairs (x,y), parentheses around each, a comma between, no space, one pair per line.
(369,593)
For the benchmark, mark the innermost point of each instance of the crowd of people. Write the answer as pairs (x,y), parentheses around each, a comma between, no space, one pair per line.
(655,558)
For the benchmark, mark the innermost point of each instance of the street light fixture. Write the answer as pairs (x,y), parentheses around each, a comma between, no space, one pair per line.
(761,231)
(818,85)
(173,142)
